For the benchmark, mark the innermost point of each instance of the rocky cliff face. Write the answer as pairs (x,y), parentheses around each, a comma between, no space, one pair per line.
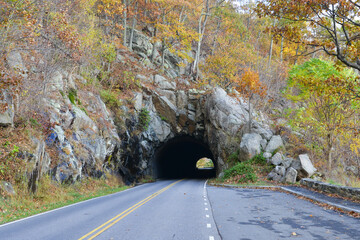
(84,140)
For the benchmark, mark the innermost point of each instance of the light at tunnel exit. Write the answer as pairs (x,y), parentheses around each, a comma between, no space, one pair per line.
(178,157)
(204,163)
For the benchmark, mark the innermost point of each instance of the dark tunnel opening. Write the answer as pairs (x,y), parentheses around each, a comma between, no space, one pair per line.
(177,158)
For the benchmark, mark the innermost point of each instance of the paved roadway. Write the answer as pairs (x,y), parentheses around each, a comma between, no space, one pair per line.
(172,209)
(264,214)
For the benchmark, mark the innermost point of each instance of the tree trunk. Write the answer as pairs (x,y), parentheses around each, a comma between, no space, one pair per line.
(358,165)
(201,31)
(314,53)
(133,26)
(271,48)
(154,47)
(250,97)
(216,33)
(270,51)
(163,51)
(329,151)
(125,22)
(296,56)
(258,52)
(281,49)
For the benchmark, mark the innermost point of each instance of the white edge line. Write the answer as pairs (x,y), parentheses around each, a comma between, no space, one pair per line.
(71,205)
(205,184)
(211,238)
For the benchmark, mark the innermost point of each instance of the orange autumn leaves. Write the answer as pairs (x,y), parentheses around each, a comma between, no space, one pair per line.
(249,84)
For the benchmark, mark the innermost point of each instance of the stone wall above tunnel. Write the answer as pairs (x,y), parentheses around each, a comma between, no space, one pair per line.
(212,117)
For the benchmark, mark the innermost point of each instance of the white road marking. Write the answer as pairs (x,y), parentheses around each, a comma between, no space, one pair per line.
(208,225)
(205,203)
(206,209)
(211,238)
(205,184)
(207,216)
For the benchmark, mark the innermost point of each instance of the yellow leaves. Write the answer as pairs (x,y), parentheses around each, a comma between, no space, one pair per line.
(355,146)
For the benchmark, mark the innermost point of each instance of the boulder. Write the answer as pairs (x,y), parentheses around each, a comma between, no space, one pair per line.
(7,116)
(263,144)
(277,159)
(7,187)
(287,162)
(280,170)
(307,168)
(267,155)
(291,175)
(274,176)
(264,132)
(15,62)
(296,164)
(250,146)
(274,143)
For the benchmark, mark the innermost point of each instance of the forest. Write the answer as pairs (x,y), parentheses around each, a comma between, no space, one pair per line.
(296,60)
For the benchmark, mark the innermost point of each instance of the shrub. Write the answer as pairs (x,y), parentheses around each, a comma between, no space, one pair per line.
(243,172)
(11,166)
(109,98)
(72,95)
(233,158)
(144,119)
(258,159)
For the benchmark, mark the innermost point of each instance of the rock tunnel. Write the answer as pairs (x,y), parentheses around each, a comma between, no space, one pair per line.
(177,158)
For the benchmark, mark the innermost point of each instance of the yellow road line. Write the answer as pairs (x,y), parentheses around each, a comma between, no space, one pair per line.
(97,231)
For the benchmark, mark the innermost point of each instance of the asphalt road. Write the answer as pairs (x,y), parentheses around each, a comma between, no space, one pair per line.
(187,210)
(264,214)
(162,210)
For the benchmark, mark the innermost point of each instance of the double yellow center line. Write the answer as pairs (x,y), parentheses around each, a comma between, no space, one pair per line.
(97,231)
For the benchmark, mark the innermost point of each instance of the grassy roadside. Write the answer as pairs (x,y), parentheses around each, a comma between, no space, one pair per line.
(252,172)
(258,183)
(51,195)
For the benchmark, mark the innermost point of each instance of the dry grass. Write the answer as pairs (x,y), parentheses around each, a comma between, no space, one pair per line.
(51,195)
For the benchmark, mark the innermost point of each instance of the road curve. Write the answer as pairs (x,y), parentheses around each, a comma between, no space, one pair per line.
(168,209)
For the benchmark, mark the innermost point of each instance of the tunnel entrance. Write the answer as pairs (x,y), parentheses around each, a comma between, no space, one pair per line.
(177,158)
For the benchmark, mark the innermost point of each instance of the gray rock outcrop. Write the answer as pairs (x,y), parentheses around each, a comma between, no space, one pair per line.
(88,139)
